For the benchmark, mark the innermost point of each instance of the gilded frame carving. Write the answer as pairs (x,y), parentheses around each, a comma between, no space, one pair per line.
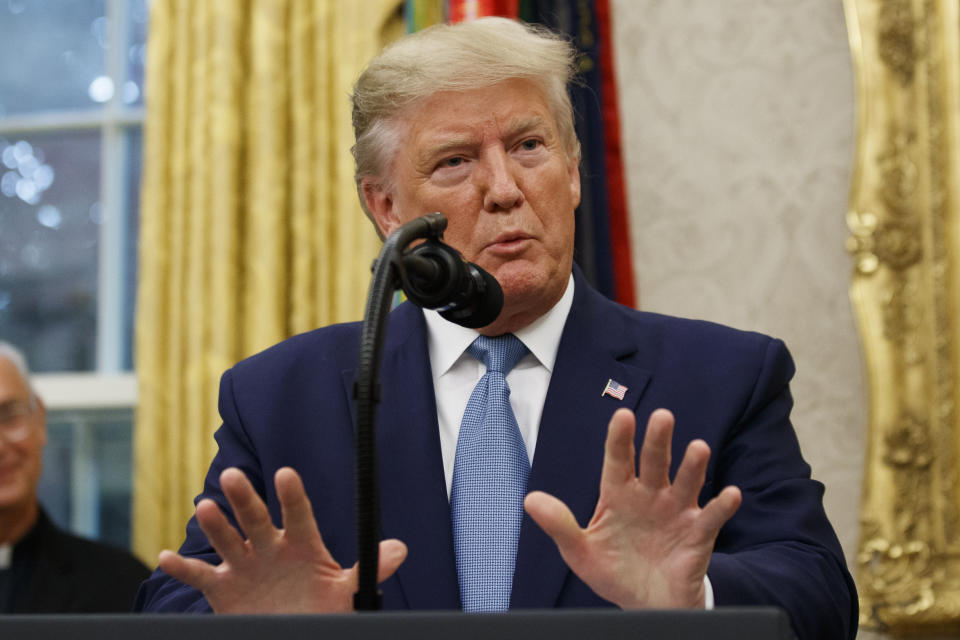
(904,219)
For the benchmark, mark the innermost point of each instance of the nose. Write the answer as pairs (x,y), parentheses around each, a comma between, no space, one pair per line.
(500,189)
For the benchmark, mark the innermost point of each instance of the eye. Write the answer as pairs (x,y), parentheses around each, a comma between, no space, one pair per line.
(530,145)
(455,161)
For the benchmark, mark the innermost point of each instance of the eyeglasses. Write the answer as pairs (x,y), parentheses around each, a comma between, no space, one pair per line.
(14,425)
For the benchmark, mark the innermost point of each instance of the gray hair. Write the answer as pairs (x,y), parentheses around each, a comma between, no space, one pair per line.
(469,55)
(15,357)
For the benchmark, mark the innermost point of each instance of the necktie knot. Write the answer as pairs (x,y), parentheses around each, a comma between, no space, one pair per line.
(500,353)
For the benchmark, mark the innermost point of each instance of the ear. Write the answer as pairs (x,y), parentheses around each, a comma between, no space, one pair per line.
(573,169)
(379,201)
(41,416)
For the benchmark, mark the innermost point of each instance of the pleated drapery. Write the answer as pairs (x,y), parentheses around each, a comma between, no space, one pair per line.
(250,226)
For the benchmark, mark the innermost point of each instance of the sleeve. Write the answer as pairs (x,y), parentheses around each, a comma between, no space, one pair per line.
(779,549)
(161,593)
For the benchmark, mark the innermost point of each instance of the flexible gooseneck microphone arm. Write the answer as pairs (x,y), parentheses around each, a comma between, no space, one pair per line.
(433,275)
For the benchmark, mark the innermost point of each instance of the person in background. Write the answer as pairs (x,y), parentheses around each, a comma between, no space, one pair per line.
(43,569)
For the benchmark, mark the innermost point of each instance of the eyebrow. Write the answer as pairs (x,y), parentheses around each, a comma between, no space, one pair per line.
(522,125)
(449,144)
(457,141)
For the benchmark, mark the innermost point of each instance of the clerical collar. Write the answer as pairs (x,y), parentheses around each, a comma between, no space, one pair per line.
(6,555)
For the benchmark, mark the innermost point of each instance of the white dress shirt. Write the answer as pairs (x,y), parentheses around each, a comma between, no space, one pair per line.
(456,373)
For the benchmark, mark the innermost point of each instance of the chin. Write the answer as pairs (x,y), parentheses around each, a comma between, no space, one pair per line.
(527,289)
(519,284)
(11,496)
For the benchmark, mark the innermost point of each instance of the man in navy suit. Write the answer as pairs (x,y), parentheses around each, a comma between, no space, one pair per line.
(474,121)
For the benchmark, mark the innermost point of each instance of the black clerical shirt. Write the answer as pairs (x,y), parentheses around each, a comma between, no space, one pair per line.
(51,571)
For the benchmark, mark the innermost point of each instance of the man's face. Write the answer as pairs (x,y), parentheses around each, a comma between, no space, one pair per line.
(20,460)
(491,160)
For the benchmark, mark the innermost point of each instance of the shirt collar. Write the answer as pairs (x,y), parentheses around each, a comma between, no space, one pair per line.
(447,341)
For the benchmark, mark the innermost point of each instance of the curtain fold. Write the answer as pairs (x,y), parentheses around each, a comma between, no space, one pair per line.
(250,226)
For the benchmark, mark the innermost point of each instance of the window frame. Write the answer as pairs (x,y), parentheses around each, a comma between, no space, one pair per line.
(115,121)
(109,390)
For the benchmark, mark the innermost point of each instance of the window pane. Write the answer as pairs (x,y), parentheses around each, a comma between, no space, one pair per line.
(53,490)
(52,55)
(137,14)
(86,485)
(114,464)
(49,236)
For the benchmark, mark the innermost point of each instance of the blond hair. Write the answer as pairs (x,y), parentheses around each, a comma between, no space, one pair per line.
(469,55)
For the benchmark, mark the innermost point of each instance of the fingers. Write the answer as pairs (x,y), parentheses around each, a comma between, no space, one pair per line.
(248,507)
(196,573)
(655,452)
(224,538)
(619,453)
(691,474)
(299,523)
(556,519)
(392,554)
(716,512)
(298,520)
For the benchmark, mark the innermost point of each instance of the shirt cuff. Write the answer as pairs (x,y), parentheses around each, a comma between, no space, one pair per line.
(707,593)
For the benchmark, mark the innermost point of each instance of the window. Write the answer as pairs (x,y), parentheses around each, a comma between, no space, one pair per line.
(71,115)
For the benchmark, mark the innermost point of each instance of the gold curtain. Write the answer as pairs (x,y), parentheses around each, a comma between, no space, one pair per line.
(250,226)
(905,222)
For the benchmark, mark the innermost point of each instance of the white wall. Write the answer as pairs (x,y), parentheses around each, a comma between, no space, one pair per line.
(738,126)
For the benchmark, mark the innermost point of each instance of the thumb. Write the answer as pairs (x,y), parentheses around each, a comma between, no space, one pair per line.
(556,519)
(392,554)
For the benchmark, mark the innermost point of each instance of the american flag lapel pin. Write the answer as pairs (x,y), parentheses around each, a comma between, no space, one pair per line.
(614,389)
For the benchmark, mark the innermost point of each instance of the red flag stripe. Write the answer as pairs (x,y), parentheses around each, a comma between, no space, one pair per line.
(616,191)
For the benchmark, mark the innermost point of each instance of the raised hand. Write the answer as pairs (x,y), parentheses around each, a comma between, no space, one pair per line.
(274,570)
(648,543)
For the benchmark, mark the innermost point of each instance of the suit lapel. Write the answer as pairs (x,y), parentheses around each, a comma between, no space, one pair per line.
(595,347)
(413,496)
(568,458)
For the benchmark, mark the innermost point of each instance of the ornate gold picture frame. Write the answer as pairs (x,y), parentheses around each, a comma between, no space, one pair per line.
(904,213)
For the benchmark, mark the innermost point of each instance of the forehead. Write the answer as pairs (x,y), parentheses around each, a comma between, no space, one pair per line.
(499,109)
(12,384)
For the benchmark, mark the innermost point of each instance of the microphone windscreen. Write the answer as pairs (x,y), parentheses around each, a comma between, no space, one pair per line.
(482,303)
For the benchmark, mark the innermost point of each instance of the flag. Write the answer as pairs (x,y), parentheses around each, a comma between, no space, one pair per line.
(614,389)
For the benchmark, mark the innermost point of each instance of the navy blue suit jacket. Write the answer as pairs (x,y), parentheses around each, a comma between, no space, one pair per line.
(291,406)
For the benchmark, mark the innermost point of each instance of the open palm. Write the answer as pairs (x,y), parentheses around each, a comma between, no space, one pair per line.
(648,543)
(273,570)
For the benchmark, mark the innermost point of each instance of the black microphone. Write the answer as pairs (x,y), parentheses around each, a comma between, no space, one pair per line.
(434,276)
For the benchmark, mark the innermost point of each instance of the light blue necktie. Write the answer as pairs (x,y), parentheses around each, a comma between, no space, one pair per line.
(489,481)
